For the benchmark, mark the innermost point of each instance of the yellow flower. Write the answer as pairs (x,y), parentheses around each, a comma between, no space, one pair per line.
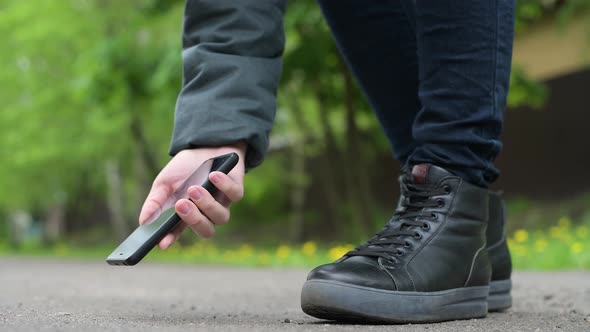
(309,248)
(521,235)
(338,251)
(576,248)
(246,250)
(540,245)
(283,252)
(564,222)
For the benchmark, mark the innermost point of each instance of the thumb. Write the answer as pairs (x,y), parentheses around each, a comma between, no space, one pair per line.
(154,203)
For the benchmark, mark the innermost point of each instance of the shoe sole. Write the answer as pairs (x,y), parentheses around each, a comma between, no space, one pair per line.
(345,302)
(499,298)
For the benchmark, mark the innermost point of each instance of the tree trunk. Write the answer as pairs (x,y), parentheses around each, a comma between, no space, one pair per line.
(143,180)
(298,183)
(357,175)
(19,222)
(54,224)
(143,147)
(330,169)
(115,199)
(297,194)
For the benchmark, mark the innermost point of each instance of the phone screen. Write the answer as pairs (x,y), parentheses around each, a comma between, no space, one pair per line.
(199,177)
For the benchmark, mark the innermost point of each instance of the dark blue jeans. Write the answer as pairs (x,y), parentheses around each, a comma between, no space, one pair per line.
(435,72)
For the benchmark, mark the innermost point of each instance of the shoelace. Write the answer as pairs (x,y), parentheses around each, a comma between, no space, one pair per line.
(386,242)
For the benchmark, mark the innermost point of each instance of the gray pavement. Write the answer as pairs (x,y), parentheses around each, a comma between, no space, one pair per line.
(52,295)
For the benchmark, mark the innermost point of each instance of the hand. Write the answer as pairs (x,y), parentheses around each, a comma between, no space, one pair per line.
(206,211)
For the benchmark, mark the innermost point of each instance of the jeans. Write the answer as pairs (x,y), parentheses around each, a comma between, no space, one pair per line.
(435,72)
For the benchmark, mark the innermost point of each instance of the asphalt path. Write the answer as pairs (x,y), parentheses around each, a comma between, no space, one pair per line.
(53,295)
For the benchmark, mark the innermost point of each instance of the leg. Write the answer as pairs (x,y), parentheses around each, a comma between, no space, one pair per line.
(464,50)
(430,263)
(389,79)
(377,39)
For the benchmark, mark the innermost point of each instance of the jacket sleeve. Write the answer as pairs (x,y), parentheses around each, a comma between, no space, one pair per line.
(231,69)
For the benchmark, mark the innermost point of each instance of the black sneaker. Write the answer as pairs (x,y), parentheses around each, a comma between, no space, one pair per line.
(428,264)
(500,285)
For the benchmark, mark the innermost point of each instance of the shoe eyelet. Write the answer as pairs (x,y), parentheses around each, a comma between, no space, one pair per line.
(447,189)
(408,245)
(391,262)
(417,236)
(426,227)
(399,253)
(440,202)
(433,216)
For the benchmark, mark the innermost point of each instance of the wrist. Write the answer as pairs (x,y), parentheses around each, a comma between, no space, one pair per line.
(239,147)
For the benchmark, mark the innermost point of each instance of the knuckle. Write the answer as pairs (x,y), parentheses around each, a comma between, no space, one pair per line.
(206,204)
(152,202)
(223,217)
(192,220)
(158,181)
(162,185)
(208,233)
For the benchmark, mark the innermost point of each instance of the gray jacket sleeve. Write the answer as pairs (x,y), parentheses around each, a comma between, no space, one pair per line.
(231,69)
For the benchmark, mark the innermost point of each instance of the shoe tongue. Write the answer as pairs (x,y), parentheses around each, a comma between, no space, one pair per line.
(428,174)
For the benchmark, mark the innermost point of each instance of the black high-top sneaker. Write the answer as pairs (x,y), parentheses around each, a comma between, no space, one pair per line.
(428,264)
(500,285)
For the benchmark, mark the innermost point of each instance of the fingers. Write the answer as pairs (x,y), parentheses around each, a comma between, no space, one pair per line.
(154,202)
(196,220)
(167,182)
(203,213)
(170,238)
(232,189)
(211,208)
(207,210)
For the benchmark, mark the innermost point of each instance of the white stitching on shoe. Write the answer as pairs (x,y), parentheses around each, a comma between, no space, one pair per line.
(473,264)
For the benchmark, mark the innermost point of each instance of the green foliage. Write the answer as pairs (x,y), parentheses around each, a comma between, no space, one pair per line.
(524,91)
(572,9)
(528,11)
(85,83)
(76,77)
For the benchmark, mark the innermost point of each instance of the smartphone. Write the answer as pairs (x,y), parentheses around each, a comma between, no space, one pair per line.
(137,245)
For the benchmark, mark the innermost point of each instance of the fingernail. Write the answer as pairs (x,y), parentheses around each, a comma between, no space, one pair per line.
(184,208)
(195,194)
(214,177)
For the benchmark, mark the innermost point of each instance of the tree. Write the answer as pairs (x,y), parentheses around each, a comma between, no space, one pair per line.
(88,92)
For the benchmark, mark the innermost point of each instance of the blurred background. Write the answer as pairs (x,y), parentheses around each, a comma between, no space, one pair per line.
(88,89)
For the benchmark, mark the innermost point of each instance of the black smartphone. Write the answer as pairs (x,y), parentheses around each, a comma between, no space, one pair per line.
(137,245)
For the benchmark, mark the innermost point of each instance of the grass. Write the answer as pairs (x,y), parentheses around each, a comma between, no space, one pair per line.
(562,246)
(203,252)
